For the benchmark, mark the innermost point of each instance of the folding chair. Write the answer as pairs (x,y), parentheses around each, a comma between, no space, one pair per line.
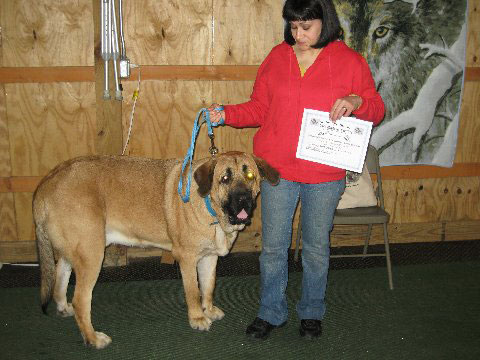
(363,216)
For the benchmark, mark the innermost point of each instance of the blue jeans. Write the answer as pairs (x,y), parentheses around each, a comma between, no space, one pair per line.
(319,202)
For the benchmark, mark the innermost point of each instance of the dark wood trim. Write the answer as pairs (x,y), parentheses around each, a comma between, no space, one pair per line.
(29,183)
(16,184)
(149,72)
(472,73)
(430,172)
(18,251)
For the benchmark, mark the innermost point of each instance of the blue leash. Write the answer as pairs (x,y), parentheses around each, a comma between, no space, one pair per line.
(189,157)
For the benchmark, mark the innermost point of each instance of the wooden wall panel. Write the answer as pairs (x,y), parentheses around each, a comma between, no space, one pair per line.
(49,123)
(402,197)
(18,252)
(43,124)
(467,230)
(473,35)
(397,234)
(468,146)
(248,241)
(164,118)
(5,167)
(245,31)
(432,200)
(47,33)
(23,211)
(168,32)
(233,92)
(456,199)
(8,222)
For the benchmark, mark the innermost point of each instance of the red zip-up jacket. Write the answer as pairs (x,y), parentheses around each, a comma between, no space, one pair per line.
(280,95)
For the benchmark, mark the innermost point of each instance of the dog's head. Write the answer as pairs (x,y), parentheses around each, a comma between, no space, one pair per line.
(233,181)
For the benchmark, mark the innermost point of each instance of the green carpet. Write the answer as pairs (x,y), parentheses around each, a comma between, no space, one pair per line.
(433,313)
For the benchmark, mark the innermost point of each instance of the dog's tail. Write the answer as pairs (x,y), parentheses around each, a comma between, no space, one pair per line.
(46,257)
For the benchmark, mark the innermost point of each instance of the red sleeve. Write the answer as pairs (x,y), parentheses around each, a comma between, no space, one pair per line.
(251,113)
(372,108)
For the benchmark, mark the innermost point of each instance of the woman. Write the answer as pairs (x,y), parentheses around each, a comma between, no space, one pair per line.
(311,69)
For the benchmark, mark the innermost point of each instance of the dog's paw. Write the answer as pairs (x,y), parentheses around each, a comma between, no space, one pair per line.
(200,323)
(65,311)
(214,313)
(101,340)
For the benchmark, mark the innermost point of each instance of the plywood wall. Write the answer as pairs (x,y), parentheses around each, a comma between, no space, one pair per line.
(56,116)
(46,33)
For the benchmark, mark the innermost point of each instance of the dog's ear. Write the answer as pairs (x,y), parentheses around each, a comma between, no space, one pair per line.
(266,171)
(204,177)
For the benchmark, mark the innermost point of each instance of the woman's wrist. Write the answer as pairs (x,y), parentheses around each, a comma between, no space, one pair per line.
(359,102)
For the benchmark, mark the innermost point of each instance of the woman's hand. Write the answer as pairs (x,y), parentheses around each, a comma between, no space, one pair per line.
(215,115)
(345,106)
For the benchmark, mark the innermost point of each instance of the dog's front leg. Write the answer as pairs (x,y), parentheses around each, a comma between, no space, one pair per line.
(206,275)
(196,317)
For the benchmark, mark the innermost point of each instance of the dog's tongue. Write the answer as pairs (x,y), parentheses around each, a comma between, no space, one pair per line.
(242,214)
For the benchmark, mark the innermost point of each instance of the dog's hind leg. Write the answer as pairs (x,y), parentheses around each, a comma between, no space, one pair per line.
(87,263)
(206,276)
(196,317)
(63,272)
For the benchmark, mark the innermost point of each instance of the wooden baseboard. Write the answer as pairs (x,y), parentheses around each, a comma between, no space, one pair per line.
(251,241)
(18,252)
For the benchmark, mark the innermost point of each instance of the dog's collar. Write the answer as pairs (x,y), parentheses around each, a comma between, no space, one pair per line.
(212,212)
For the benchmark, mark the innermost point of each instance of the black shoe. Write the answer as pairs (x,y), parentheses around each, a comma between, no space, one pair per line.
(260,329)
(310,328)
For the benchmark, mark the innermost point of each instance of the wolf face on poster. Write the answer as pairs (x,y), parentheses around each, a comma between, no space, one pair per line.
(416,52)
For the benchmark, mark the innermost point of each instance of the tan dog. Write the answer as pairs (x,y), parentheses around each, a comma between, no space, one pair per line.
(87,203)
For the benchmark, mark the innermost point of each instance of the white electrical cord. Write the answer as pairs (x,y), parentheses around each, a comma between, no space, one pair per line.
(134,97)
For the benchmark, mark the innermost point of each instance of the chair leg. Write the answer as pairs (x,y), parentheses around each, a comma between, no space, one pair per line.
(367,239)
(298,238)
(387,255)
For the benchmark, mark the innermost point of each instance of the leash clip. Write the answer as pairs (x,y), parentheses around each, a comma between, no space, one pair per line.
(213,149)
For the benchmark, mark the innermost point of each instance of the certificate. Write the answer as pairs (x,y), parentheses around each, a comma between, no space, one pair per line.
(342,144)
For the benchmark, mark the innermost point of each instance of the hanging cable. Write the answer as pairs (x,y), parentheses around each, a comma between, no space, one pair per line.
(134,98)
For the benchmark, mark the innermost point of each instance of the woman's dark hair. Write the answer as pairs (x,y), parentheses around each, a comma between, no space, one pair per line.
(304,10)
